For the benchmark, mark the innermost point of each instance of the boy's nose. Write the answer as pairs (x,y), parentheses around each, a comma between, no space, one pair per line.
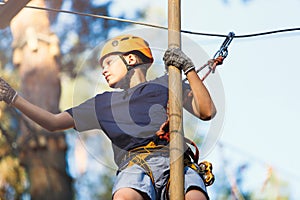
(104,71)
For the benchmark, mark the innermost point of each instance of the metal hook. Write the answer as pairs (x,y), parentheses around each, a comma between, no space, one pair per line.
(223,51)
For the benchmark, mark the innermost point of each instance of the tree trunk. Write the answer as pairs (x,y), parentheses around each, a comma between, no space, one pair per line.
(43,154)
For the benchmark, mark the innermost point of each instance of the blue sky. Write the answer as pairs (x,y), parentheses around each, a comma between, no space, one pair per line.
(260,79)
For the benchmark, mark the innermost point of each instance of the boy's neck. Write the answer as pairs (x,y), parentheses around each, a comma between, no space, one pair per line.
(137,78)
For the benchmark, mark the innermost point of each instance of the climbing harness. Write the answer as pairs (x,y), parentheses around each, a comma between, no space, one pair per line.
(140,154)
(204,169)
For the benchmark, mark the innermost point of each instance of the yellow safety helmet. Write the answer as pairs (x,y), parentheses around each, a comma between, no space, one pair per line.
(125,44)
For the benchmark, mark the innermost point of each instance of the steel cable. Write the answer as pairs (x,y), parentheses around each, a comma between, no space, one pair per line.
(159,26)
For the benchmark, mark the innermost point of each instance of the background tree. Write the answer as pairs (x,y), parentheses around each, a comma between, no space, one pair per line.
(37,58)
(36,49)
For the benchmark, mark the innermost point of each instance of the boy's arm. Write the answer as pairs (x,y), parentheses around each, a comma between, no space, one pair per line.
(49,121)
(46,119)
(199,101)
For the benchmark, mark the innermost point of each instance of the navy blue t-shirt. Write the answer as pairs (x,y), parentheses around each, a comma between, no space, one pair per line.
(129,118)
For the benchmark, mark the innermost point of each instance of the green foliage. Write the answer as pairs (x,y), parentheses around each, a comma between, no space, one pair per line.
(12,177)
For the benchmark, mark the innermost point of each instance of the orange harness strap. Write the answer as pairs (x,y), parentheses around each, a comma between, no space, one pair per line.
(204,169)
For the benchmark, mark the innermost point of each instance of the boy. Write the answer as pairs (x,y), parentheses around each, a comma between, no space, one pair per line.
(131,117)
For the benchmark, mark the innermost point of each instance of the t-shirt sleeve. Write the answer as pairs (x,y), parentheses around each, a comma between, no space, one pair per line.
(185,87)
(85,116)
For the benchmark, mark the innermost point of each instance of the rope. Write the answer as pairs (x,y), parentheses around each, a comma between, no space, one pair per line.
(158,26)
(212,65)
(245,35)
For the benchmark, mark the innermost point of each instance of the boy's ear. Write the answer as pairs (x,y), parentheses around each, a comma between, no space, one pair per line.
(131,59)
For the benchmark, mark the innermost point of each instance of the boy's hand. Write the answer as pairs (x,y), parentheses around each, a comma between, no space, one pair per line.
(7,93)
(176,58)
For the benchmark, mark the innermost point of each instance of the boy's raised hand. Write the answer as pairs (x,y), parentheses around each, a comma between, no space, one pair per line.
(7,93)
(176,58)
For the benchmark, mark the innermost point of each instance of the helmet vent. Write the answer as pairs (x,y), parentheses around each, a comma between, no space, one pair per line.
(125,38)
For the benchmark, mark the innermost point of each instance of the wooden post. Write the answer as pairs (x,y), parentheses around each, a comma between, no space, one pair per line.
(175,106)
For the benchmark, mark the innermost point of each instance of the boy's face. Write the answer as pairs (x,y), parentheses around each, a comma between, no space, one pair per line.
(113,69)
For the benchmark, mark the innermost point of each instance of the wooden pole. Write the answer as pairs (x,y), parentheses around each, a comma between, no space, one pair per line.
(175,106)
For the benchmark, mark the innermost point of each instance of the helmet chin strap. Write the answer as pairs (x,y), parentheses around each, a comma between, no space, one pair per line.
(126,80)
(128,67)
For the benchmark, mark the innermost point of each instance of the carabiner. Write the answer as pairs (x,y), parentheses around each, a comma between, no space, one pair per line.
(223,51)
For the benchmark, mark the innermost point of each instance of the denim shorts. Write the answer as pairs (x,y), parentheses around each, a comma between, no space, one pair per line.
(136,178)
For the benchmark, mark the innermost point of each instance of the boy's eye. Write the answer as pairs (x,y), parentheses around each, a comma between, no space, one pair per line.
(109,61)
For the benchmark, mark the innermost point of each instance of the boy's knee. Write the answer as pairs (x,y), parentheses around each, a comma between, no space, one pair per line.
(127,194)
(195,195)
